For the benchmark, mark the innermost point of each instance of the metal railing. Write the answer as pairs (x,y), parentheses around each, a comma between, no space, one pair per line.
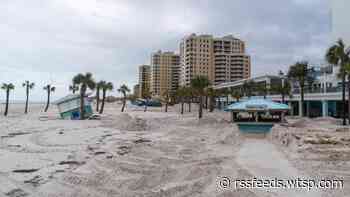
(319,90)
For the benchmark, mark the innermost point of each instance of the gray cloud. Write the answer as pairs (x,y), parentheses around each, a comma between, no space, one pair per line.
(50,41)
(340,21)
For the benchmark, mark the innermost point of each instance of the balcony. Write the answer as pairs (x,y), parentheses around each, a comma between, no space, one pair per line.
(319,90)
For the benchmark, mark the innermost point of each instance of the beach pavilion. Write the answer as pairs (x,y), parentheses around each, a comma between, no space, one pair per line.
(257,116)
(258,110)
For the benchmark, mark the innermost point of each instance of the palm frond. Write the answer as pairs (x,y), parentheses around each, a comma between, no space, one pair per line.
(11,86)
(78,79)
(124,89)
(199,83)
(109,86)
(84,81)
(7,86)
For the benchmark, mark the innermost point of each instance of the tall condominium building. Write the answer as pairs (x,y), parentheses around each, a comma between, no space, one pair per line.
(136,90)
(197,58)
(165,73)
(144,80)
(220,59)
(230,61)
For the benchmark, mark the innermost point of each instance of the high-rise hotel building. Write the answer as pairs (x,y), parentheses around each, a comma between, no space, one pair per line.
(220,59)
(165,73)
(144,79)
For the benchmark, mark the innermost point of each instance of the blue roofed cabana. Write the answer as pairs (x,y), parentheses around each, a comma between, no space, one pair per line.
(257,115)
(258,110)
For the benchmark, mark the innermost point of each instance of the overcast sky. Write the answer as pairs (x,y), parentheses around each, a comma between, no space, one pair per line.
(49,41)
(341,19)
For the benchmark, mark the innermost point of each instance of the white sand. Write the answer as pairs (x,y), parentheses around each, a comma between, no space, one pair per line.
(153,154)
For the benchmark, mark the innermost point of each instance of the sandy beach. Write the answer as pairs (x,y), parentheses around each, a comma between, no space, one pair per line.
(155,153)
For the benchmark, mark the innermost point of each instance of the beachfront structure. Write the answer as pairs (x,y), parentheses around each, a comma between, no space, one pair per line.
(257,107)
(322,97)
(69,107)
(220,59)
(257,115)
(144,79)
(165,73)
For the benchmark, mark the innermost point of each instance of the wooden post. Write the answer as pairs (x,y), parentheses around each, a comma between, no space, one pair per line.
(283,119)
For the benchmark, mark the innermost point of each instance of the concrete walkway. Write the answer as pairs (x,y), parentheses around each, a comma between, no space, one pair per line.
(263,160)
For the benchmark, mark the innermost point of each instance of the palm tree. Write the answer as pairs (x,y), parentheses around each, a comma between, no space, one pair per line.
(220,92)
(347,70)
(49,88)
(7,87)
(283,89)
(206,101)
(226,93)
(28,85)
(311,78)
(338,55)
(84,82)
(212,93)
(181,93)
(146,94)
(299,72)
(98,88)
(124,90)
(166,98)
(74,88)
(262,89)
(237,94)
(248,88)
(199,84)
(105,86)
(188,94)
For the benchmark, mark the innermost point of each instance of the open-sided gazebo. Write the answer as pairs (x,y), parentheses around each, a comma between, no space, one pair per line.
(258,110)
(257,115)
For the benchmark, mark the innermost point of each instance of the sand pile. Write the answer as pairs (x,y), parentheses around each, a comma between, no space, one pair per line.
(327,120)
(323,124)
(211,120)
(125,122)
(319,147)
(283,135)
(311,135)
(229,135)
(300,123)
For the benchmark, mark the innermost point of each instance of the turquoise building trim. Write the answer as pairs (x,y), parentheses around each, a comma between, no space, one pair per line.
(256,128)
(69,107)
(74,114)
